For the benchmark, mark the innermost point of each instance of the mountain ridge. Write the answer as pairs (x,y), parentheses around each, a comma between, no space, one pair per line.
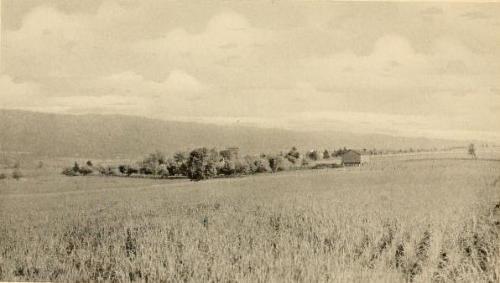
(115,135)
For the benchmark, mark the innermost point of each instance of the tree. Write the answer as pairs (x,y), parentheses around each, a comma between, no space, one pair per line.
(178,165)
(181,157)
(241,167)
(128,169)
(326,154)
(156,158)
(313,155)
(89,163)
(132,170)
(472,151)
(16,174)
(70,171)
(202,164)
(123,169)
(274,162)
(293,155)
(76,167)
(85,170)
(163,171)
(278,163)
(227,168)
(152,163)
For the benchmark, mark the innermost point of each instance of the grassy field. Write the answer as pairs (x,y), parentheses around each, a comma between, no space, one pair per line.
(421,218)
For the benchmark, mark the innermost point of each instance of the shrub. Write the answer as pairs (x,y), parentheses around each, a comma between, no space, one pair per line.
(85,170)
(69,171)
(293,155)
(326,154)
(202,164)
(76,167)
(258,164)
(313,155)
(123,168)
(132,170)
(146,170)
(163,171)
(227,168)
(279,163)
(241,167)
(16,174)
(3,176)
(103,170)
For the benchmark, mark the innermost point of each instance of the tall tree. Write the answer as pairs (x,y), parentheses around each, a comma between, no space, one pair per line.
(472,150)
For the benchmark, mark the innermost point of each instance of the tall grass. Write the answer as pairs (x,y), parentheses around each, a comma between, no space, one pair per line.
(419,221)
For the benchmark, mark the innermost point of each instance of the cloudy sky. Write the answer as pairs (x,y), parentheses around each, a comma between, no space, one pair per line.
(412,69)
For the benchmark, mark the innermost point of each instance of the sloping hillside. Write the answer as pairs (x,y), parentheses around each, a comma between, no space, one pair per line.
(130,136)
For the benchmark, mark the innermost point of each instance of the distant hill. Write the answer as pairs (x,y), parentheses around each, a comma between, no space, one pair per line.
(129,136)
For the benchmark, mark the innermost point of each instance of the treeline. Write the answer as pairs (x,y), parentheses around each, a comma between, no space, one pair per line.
(203,163)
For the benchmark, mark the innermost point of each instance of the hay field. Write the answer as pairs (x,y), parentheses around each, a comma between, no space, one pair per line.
(424,218)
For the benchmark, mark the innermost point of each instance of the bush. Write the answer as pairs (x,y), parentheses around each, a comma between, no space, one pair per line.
(241,167)
(69,171)
(85,170)
(145,169)
(123,169)
(106,171)
(177,167)
(293,155)
(326,154)
(16,174)
(313,155)
(227,168)
(257,164)
(163,171)
(202,164)
(3,176)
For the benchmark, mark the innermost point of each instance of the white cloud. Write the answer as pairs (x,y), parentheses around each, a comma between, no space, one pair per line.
(227,64)
(17,95)
(227,40)
(131,83)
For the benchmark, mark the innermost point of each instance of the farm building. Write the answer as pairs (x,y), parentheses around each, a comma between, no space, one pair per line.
(353,157)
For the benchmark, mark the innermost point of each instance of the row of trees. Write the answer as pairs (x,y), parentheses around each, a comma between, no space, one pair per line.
(203,163)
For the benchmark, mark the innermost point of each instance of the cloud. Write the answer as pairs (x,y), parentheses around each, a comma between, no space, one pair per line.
(394,65)
(407,60)
(17,94)
(131,83)
(227,40)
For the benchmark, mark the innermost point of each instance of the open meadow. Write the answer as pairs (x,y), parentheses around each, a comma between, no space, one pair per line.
(422,217)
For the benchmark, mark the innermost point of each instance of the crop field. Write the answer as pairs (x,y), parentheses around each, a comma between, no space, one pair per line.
(415,218)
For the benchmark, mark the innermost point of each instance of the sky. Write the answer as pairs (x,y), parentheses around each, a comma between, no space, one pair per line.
(406,69)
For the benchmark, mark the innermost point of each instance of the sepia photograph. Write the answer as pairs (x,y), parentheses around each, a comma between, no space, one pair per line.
(249,141)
